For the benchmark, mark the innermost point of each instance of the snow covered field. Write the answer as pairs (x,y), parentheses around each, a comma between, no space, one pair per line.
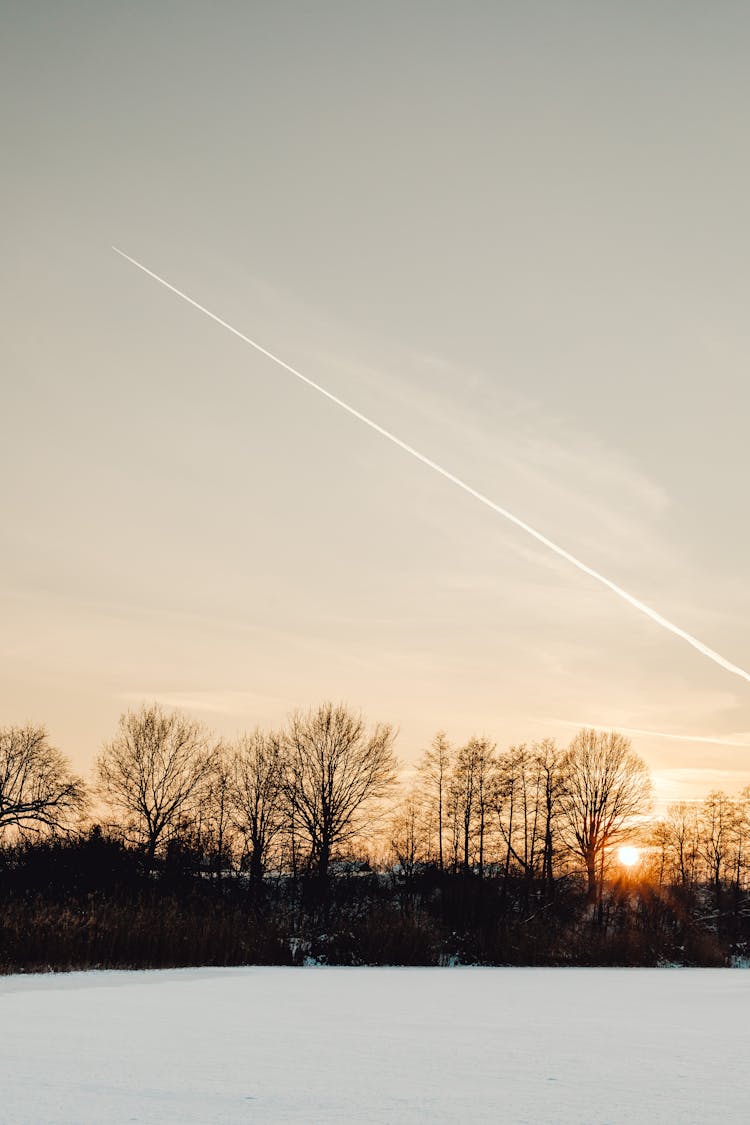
(387,1045)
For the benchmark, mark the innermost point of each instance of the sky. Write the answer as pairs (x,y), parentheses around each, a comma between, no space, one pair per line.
(514,234)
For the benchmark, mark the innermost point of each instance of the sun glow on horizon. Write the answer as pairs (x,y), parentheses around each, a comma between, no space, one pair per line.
(628,856)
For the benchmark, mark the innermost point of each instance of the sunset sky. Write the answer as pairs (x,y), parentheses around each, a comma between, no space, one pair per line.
(514,234)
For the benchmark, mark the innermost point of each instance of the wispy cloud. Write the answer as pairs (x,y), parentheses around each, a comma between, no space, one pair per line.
(512,438)
(239,703)
(740,740)
(693,784)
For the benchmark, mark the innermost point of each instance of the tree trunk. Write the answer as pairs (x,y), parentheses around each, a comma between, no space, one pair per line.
(440,827)
(593,883)
(256,864)
(481,842)
(324,859)
(547,872)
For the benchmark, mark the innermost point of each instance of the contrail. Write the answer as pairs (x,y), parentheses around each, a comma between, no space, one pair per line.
(646,610)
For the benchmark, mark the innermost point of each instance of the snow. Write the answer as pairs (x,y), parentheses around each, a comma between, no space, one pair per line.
(375,1045)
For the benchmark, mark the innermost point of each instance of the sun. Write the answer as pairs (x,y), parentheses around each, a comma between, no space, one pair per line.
(628,856)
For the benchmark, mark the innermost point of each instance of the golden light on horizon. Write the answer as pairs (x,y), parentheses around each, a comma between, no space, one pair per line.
(628,856)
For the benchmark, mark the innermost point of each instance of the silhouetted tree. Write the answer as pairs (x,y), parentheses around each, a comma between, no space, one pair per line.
(454,818)
(605,787)
(435,769)
(215,819)
(257,795)
(483,753)
(716,836)
(741,837)
(38,790)
(548,760)
(409,833)
(526,799)
(154,773)
(676,838)
(518,805)
(469,793)
(464,786)
(335,774)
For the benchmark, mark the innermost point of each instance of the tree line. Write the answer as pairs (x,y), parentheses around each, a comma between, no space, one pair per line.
(318,816)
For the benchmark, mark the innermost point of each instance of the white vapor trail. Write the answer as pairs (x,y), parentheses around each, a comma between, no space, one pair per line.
(646,610)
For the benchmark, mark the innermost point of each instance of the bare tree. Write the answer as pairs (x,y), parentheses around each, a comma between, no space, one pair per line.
(38,790)
(605,789)
(548,760)
(453,810)
(483,752)
(517,802)
(155,772)
(467,803)
(677,838)
(435,769)
(526,800)
(215,822)
(717,823)
(504,801)
(257,795)
(464,792)
(409,833)
(335,774)
(742,837)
